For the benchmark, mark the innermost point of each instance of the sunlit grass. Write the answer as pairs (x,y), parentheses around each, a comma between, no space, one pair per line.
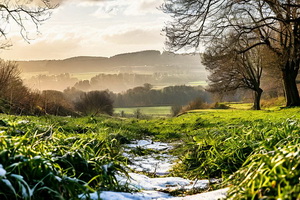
(39,152)
(152,111)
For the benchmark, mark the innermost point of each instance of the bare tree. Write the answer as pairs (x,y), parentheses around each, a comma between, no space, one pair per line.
(14,96)
(272,23)
(231,70)
(9,73)
(23,13)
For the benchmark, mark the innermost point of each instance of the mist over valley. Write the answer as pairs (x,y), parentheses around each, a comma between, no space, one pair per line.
(117,73)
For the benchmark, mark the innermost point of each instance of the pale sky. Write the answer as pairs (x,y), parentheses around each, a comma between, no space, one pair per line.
(93,28)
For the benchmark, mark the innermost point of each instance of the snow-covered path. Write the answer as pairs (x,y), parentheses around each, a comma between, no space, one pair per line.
(158,163)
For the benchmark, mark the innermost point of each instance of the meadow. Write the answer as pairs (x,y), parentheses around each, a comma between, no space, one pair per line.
(255,153)
(159,111)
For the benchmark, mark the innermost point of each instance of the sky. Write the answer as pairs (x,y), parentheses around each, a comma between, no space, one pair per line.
(92,28)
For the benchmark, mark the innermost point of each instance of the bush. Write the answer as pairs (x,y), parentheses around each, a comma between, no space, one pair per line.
(94,103)
(267,103)
(175,110)
(219,106)
(195,104)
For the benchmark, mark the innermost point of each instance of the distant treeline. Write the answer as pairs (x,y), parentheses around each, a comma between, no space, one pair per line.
(172,95)
(16,98)
(113,82)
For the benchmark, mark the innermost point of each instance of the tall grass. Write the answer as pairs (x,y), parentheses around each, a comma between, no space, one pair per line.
(53,161)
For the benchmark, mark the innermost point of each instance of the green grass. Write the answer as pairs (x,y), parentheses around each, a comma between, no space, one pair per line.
(62,157)
(240,106)
(160,111)
(255,152)
(233,144)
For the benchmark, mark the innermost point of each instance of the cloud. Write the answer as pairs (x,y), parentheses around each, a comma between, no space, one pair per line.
(52,46)
(59,2)
(132,25)
(79,1)
(128,8)
(134,37)
(143,7)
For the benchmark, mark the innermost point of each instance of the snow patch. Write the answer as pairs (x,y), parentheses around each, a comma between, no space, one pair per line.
(213,195)
(145,195)
(156,163)
(142,182)
(149,144)
(2,171)
(149,195)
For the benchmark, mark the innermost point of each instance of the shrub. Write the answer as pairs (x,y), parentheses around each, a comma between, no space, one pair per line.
(267,103)
(219,106)
(94,103)
(175,110)
(195,104)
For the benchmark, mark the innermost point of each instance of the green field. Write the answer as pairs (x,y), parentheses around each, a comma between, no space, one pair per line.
(197,83)
(160,111)
(255,153)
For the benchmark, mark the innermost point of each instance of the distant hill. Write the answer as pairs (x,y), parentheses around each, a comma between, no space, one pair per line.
(144,62)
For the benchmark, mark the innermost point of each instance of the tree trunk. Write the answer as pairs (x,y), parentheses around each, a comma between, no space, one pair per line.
(257,97)
(289,75)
